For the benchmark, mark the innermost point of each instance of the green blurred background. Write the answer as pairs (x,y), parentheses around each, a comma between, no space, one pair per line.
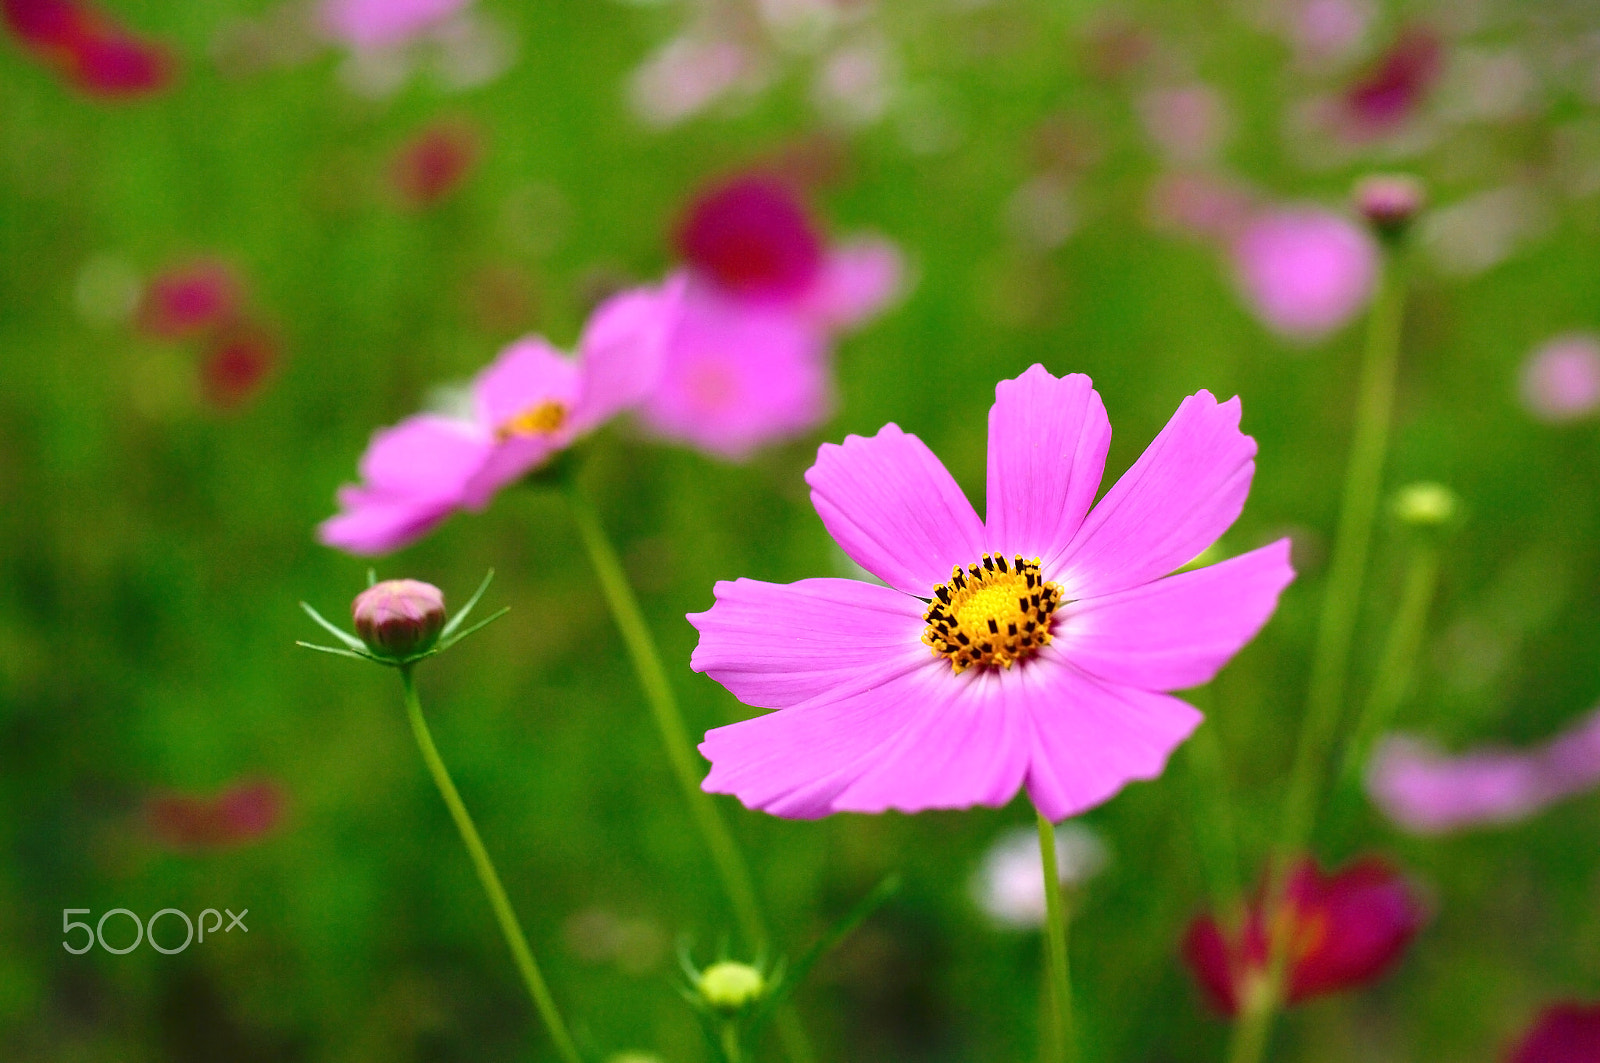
(154,547)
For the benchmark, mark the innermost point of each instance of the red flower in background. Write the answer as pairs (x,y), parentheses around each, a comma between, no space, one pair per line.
(434,163)
(184,301)
(91,50)
(236,364)
(243,812)
(1396,85)
(752,236)
(1344,929)
(1565,1033)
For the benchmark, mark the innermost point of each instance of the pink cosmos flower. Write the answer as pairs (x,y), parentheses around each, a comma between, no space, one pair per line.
(371,24)
(243,812)
(1429,792)
(434,163)
(1392,91)
(1561,380)
(749,363)
(187,300)
(91,50)
(1565,1033)
(1305,271)
(1032,649)
(532,402)
(1347,929)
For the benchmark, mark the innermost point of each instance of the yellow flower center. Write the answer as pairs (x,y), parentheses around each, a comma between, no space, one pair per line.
(540,420)
(993,612)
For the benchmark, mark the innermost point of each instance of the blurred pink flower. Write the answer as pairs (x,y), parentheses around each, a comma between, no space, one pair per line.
(530,403)
(372,24)
(1305,271)
(186,300)
(749,361)
(1324,31)
(1392,91)
(236,365)
(1429,792)
(1561,380)
(738,377)
(1346,930)
(1187,123)
(1200,205)
(690,73)
(243,812)
(434,163)
(91,51)
(1032,650)
(1564,1033)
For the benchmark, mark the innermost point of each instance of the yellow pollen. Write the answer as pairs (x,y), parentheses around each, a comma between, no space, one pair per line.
(540,420)
(994,612)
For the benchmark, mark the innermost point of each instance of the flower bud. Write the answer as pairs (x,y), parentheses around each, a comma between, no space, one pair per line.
(399,617)
(1389,202)
(729,987)
(1426,505)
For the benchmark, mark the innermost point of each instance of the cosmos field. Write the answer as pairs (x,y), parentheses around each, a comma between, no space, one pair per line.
(574,292)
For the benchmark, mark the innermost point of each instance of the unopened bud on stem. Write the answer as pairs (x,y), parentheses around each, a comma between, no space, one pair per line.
(731,987)
(1426,505)
(1390,202)
(399,617)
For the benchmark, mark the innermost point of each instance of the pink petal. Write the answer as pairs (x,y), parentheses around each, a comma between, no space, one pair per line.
(775,645)
(1179,631)
(1092,738)
(1185,490)
(894,508)
(858,279)
(384,23)
(1047,450)
(908,740)
(372,523)
(739,375)
(621,350)
(525,375)
(426,455)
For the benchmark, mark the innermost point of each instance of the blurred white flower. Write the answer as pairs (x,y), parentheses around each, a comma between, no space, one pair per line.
(1009,884)
(690,73)
(856,82)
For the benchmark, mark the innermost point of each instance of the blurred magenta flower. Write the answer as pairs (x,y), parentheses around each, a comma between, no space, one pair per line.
(1561,380)
(186,300)
(1564,1033)
(1032,650)
(1347,929)
(749,363)
(1305,271)
(90,49)
(434,163)
(1382,99)
(236,364)
(752,236)
(242,812)
(1429,792)
(372,24)
(530,403)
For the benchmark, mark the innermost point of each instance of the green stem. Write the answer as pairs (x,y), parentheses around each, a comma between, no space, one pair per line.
(730,863)
(509,926)
(730,1042)
(1214,826)
(1065,1045)
(1336,631)
(1400,653)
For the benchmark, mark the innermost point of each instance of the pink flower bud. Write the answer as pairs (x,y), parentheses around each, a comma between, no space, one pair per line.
(1389,201)
(399,617)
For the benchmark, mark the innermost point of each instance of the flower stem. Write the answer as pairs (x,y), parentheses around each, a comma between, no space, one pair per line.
(725,854)
(1064,1043)
(509,925)
(1336,631)
(1400,653)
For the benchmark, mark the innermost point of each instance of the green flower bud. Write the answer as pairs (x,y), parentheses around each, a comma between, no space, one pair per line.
(399,618)
(1426,505)
(731,987)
